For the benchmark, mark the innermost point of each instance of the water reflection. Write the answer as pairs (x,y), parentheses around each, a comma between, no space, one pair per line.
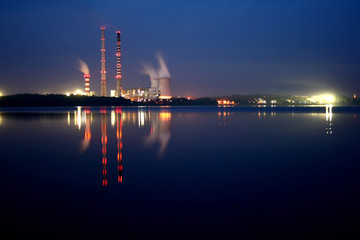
(329,115)
(86,141)
(158,121)
(160,130)
(119,143)
(104,143)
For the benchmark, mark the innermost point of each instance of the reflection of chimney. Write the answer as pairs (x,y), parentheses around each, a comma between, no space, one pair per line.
(104,142)
(87,125)
(103,68)
(86,142)
(119,143)
(118,65)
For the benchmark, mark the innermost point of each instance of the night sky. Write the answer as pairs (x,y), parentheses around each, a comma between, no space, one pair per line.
(212,48)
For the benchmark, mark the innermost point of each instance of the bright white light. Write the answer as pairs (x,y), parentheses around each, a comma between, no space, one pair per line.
(79,117)
(78,92)
(329,98)
(68,118)
(113,118)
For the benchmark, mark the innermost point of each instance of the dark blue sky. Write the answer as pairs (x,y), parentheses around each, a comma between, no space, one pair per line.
(212,47)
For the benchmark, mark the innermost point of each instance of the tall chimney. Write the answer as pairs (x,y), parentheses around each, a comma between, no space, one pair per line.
(118,65)
(87,84)
(103,69)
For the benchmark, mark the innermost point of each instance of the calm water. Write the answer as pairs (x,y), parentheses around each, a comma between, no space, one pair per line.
(195,172)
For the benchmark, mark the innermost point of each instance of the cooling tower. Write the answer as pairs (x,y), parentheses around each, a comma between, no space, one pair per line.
(154,83)
(164,87)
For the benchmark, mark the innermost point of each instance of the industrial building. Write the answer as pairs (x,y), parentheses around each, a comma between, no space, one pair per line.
(140,94)
(160,86)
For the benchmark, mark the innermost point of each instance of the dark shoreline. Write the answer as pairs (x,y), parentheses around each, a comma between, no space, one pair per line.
(53,100)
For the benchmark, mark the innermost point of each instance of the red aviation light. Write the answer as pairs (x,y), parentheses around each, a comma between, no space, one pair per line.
(118,54)
(118,65)
(118,32)
(86,75)
(118,76)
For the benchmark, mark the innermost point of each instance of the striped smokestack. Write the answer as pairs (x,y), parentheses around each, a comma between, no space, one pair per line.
(103,69)
(87,84)
(118,65)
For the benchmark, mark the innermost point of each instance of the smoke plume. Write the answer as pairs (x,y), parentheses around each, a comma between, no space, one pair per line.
(163,71)
(83,67)
(149,70)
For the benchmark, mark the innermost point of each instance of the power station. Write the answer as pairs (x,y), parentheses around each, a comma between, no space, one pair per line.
(160,79)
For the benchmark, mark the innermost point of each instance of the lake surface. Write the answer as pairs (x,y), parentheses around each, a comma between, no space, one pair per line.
(180,172)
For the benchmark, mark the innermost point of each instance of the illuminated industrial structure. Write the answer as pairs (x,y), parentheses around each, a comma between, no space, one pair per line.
(103,68)
(87,84)
(164,88)
(118,65)
(139,94)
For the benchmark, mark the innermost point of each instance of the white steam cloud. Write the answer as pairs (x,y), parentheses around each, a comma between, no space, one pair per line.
(161,72)
(149,70)
(83,67)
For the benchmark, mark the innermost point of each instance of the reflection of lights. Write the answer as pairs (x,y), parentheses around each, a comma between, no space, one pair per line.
(329,119)
(79,117)
(119,138)
(141,118)
(104,142)
(113,118)
(160,130)
(87,137)
(165,116)
(0,119)
(329,112)
(68,120)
